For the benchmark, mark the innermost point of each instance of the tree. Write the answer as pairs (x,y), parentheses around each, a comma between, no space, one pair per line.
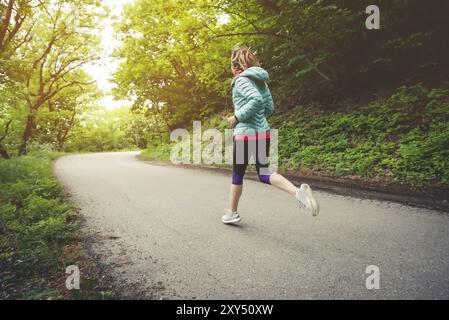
(64,42)
(56,124)
(170,67)
(14,13)
(317,52)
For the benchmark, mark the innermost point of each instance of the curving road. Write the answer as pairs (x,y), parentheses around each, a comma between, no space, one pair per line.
(159,228)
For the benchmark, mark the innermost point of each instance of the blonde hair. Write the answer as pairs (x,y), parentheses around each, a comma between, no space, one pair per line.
(243,58)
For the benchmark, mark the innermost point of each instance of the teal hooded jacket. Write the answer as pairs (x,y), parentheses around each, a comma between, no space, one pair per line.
(253,102)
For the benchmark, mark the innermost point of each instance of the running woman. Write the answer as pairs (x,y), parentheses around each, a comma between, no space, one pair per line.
(253,103)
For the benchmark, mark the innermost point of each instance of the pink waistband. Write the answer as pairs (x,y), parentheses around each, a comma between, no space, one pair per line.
(257,136)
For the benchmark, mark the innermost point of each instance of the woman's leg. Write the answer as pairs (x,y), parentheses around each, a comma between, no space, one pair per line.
(265,176)
(234,197)
(303,194)
(240,163)
(282,183)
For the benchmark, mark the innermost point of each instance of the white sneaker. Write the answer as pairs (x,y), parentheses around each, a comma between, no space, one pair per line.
(306,199)
(230,217)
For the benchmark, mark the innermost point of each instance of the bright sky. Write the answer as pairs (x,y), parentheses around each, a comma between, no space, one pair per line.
(102,71)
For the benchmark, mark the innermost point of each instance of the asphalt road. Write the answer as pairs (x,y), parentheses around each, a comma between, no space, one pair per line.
(159,228)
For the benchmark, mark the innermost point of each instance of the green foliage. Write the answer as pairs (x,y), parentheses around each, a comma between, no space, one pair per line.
(109,130)
(319,56)
(157,152)
(44,46)
(34,220)
(89,291)
(170,63)
(176,53)
(404,138)
(175,65)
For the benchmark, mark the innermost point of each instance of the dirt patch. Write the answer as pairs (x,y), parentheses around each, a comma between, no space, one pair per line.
(98,278)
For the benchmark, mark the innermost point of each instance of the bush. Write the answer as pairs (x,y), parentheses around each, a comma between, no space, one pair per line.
(34,220)
(404,138)
(157,152)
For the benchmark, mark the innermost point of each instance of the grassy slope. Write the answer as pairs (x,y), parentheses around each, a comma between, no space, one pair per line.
(401,139)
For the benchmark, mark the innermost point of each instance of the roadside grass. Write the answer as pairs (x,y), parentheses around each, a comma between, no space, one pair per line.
(37,229)
(157,152)
(401,139)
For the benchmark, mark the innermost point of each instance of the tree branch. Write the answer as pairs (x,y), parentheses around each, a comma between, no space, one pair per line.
(5,24)
(5,131)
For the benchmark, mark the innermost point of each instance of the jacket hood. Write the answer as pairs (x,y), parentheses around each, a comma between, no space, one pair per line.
(256,73)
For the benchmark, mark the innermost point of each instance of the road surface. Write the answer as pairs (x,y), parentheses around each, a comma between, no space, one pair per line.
(159,227)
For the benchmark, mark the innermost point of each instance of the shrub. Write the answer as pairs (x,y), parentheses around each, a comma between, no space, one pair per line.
(403,138)
(34,220)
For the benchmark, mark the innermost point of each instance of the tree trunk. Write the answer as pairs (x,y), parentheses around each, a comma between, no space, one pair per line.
(60,146)
(4,26)
(3,152)
(27,133)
